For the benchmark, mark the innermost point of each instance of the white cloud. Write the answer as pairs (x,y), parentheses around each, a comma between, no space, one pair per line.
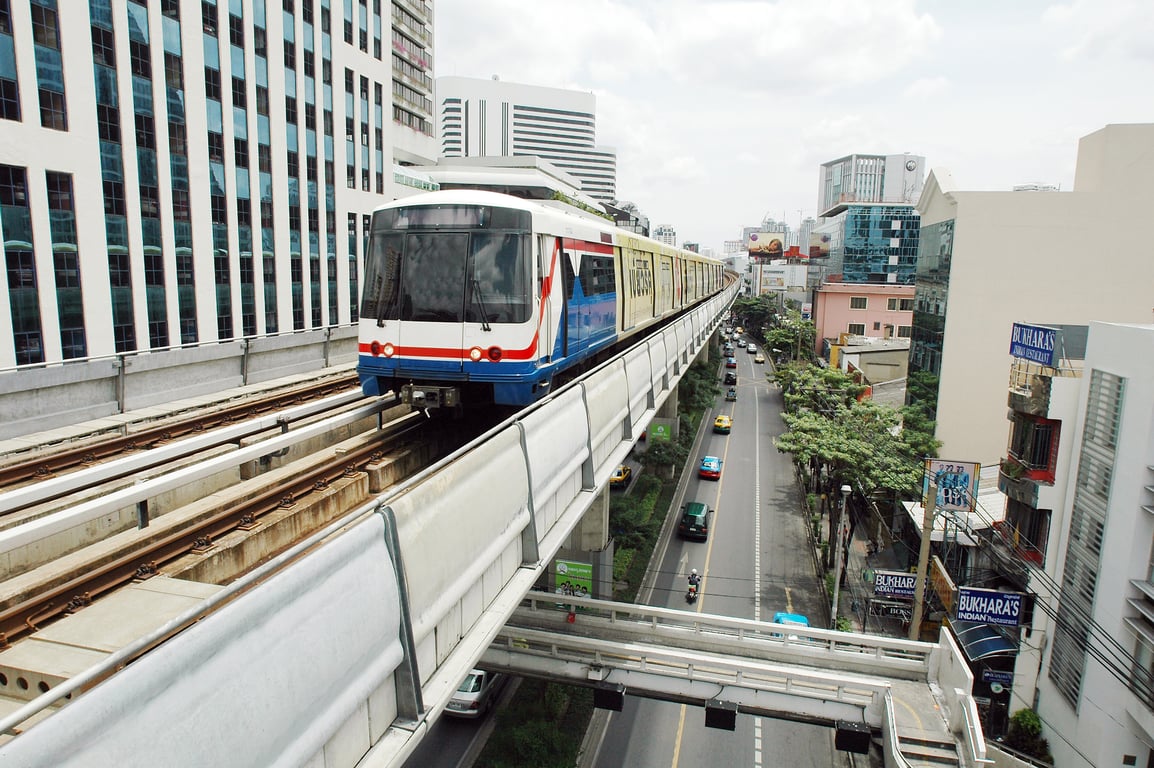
(722,110)
(1089,29)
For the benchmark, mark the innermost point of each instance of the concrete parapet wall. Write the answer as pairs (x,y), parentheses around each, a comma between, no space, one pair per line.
(49,397)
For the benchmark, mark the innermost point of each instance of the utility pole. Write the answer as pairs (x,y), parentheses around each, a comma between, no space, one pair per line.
(923,562)
(839,552)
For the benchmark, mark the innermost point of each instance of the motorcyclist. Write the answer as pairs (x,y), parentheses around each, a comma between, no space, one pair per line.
(694,579)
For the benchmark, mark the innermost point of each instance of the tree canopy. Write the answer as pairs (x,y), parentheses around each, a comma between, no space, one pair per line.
(859,442)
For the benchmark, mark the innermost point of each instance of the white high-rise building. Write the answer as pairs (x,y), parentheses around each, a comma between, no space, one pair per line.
(665,233)
(869,179)
(173,172)
(484,118)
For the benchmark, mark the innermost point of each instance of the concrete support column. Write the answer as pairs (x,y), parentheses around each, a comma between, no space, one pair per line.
(665,424)
(592,532)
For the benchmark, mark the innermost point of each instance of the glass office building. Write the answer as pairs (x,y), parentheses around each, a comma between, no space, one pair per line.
(170,172)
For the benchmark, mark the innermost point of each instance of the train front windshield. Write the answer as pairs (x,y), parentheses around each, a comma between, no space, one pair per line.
(449,264)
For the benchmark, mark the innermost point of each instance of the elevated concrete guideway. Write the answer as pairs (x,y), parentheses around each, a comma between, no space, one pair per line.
(342,651)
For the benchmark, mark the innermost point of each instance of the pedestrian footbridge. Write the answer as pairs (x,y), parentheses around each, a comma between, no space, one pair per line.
(342,651)
(914,695)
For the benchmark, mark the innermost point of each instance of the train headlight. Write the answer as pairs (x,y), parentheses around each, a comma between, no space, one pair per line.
(389,350)
(475,354)
(375,348)
(495,353)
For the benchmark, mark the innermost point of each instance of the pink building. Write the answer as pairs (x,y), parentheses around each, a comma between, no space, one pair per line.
(867,309)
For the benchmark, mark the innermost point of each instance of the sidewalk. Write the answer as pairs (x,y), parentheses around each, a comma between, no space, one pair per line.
(857,590)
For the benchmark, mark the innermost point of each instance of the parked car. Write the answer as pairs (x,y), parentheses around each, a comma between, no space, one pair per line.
(695,521)
(759,359)
(620,476)
(476,694)
(730,377)
(731,394)
(731,362)
(710,468)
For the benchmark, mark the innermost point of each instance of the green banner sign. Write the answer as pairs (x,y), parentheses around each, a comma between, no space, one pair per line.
(573,578)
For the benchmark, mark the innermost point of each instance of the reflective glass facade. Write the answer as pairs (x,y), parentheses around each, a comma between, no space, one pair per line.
(931,289)
(880,244)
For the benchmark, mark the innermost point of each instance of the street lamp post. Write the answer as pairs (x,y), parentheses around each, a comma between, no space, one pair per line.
(839,543)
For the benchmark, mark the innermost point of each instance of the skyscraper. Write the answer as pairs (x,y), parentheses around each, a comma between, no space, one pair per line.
(480,118)
(169,170)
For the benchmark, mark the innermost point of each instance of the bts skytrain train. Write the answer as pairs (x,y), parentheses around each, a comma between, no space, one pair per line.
(475,297)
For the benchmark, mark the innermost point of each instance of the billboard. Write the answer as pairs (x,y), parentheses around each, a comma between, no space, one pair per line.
(573,578)
(1035,343)
(770,245)
(957,484)
(819,245)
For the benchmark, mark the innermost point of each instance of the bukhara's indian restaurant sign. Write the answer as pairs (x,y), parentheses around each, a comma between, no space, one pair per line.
(988,606)
(1035,343)
(895,583)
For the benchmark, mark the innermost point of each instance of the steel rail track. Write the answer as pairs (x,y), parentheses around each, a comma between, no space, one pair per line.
(48,464)
(32,613)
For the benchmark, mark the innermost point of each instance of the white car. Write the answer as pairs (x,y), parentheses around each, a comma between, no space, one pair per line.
(751,348)
(476,694)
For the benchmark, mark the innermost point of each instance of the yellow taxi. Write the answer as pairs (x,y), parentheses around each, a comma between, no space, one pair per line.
(722,425)
(620,477)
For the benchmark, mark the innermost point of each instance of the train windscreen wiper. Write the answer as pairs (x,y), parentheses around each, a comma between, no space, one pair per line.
(481,303)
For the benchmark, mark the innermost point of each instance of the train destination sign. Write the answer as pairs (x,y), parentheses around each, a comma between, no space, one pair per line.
(988,606)
(894,583)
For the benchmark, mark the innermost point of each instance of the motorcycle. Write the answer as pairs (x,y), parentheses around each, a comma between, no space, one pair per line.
(691,595)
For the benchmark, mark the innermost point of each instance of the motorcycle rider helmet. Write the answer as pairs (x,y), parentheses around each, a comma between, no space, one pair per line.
(693,572)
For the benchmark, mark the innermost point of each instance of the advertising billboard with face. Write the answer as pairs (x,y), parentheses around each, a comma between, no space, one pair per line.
(769,245)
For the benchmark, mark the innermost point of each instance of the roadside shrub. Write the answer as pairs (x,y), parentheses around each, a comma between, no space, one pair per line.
(1025,735)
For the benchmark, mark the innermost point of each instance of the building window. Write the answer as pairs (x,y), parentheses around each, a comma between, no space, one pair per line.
(9,99)
(238,93)
(236,31)
(857,302)
(906,305)
(857,329)
(212,83)
(44,30)
(138,58)
(53,113)
(905,331)
(208,17)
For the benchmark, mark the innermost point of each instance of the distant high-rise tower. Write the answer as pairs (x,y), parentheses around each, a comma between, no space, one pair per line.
(480,118)
(866,211)
(665,233)
(860,179)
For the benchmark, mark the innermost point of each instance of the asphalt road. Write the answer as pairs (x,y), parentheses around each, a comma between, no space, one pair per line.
(756,561)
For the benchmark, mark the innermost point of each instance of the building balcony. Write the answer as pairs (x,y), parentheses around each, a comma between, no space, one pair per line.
(1011,560)
(1019,482)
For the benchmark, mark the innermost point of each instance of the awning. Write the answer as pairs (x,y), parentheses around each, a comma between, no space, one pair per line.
(982,641)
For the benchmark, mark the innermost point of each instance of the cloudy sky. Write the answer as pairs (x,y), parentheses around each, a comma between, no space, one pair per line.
(722,110)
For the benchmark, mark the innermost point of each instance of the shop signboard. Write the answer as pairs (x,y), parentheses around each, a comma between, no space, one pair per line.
(894,583)
(1035,343)
(988,606)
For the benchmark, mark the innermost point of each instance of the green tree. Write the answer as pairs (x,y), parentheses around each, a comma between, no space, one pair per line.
(794,335)
(846,441)
(754,313)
